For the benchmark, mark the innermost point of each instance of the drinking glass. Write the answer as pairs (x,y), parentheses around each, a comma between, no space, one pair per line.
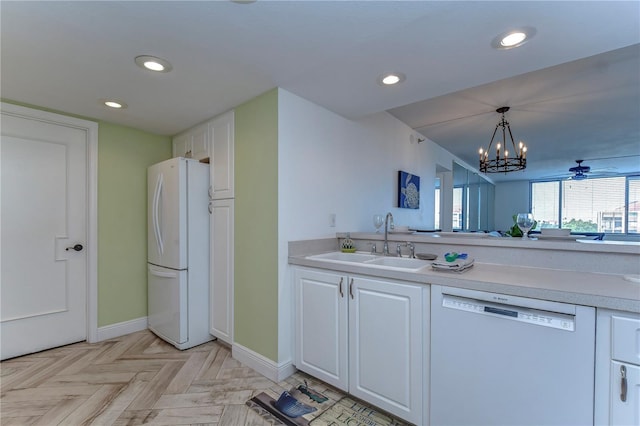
(525,223)
(378,221)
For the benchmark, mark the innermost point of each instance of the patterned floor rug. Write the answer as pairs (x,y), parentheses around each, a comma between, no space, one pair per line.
(350,412)
(346,411)
(264,405)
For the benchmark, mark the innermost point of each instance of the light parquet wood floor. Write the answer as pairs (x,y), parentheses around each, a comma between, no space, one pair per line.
(132,380)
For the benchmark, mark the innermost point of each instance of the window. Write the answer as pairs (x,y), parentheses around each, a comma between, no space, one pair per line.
(545,204)
(436,215)
(592,205)
(633,205)
(457,207)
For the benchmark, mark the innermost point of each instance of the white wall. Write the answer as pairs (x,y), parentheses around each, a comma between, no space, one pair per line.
(327,165)
(331,165)
(510,198)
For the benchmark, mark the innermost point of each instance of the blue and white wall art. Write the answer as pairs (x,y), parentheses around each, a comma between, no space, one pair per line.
(408,190)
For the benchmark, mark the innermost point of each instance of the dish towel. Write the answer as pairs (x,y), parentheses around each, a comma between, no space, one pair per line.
(457,265)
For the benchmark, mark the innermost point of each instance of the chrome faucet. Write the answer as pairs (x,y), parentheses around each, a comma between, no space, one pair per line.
(385,248)
(412,249)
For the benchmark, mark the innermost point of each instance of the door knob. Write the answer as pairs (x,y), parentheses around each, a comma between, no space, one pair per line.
(77,247)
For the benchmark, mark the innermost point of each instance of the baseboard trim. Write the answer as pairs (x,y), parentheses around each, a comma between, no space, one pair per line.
(121,328)
(268,368)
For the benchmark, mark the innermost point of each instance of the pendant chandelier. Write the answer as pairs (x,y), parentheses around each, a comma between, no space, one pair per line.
(504,161)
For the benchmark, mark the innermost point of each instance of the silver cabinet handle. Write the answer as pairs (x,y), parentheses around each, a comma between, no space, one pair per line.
(623,383)
(340,285)
(351,288)
(210,208)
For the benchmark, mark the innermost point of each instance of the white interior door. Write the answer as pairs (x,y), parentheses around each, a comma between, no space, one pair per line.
(44,214)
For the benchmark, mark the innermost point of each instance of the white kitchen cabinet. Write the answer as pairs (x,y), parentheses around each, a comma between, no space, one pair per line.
(221,273)
(200,142)
(321,325)
(625,412)
(221,147)
(365,336)
(617,368)
(182,145)
(385,345)
(194,143)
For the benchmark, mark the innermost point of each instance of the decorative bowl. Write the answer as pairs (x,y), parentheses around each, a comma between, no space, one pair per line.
(290,406)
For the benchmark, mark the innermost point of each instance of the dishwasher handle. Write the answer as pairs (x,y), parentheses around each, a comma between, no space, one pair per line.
(500,311)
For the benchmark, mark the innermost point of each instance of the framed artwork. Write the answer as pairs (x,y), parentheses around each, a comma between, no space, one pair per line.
(408,190)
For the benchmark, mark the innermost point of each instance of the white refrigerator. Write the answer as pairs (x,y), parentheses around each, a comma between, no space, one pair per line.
(178,251)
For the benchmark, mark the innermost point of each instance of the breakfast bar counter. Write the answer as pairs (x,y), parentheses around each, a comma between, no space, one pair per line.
(602,275)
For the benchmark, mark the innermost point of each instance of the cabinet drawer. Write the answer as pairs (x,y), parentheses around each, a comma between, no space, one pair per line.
(625,339)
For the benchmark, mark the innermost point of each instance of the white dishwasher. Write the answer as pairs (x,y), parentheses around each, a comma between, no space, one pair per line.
(505,360)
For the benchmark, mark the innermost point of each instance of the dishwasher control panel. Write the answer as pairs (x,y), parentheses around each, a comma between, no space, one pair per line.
(509,312)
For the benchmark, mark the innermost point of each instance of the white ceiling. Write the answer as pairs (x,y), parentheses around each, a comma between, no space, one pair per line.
(574,89)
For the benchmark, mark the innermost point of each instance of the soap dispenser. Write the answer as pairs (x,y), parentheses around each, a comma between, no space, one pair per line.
(347,245)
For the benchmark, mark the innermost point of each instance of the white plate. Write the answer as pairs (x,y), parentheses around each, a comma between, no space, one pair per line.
(557,237)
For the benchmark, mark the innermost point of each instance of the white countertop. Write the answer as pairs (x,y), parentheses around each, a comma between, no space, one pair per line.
(612,291)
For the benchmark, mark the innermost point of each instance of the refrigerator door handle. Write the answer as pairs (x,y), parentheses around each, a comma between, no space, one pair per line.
(156,214)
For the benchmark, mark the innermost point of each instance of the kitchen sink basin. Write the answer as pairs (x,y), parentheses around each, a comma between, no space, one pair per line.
(363,259)
(403,263)
(340,257)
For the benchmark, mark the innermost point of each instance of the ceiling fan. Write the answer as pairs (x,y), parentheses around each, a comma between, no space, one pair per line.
(579,171)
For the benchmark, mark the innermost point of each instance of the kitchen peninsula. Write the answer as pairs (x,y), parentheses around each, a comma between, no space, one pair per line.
(595,273)
(359,324)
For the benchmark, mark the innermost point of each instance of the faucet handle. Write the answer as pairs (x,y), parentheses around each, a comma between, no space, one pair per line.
(412,250)
(373,247)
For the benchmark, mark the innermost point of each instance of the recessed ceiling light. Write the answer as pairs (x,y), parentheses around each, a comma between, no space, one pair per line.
(513,38)
(153,63)
(391,78)
(111,103)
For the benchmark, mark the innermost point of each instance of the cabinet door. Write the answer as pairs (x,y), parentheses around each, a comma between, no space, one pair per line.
(200,142)
(321,325)
(182,145)
(385,346)
(625,338)
(221,274)
(222,155)
(625,412)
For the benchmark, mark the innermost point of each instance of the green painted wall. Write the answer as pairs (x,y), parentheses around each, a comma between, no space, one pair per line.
(123,157)
(256,225)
